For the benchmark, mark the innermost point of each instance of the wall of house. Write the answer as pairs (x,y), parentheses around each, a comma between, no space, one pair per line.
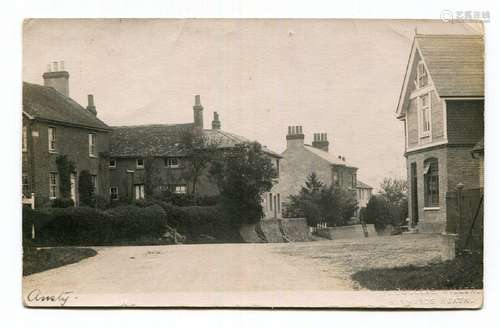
(437,122)
(70,141)
(346,176)
(430,220)
(465,121)
(296,165)
(462,168)
(363,196)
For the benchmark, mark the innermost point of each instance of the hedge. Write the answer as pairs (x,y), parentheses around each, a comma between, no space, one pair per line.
(199,223)
(80,226)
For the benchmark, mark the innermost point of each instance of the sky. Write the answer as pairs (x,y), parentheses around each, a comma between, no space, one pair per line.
(342,77)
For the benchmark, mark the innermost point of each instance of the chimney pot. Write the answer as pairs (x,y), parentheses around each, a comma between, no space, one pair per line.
(57,78)
(216,122)
(321,141)
(198,113)
(91,107)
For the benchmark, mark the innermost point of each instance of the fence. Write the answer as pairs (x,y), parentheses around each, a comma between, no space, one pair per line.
(465,218)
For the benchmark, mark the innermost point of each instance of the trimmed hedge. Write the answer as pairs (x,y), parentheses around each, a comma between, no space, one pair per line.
(199,223)
(89,226)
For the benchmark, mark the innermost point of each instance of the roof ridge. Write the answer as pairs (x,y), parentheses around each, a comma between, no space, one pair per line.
(471,36)
(148,125)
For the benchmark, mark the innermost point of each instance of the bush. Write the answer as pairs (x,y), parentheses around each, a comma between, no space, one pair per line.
(89,226)
(62,202)
(198,222)
(186,199)
(382,213)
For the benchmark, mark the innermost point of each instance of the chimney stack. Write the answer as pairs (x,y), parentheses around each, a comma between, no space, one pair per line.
(91,106)
(57,78)
(320,141)
(216,122)
(295,137)
(198,113)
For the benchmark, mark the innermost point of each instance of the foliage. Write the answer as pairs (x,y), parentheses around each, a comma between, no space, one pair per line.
(390,205)
(464,272)
(42,259)
(197,222)
(186,199)
(320,203)
(85,188)
(243,174)
(64,167)
(394,190)
(199,151)
(63,202)
(89,226)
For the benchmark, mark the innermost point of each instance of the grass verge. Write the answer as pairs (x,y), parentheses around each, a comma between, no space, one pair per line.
(38,260)
(464,272)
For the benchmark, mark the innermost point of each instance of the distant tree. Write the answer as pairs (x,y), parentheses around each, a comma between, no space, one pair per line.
(199,152)
(320,203)
(390,205)
(243,174)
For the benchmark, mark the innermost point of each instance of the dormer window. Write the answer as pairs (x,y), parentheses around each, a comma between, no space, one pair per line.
(422,79)
(172,162)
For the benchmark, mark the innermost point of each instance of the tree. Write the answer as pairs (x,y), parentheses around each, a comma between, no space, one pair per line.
(390,205)
(319,203)
(85,188)
(65,167)
(199,151)
(243,174)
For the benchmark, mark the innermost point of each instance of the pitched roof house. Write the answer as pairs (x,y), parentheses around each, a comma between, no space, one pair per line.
(441,105)
(55,125)
(131,146)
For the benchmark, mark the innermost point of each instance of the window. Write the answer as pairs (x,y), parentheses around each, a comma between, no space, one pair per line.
(113,193)
(25,138)
(112,163)
(139,191)
(270,201)
(178,188)
(431,182)
(277,168)
(140,163)
(52,139)
(92,145)
(172,162)
(279,203)
(52,185)
(94,183)
(26,186)
(422,78)
(335,178)
(425,114)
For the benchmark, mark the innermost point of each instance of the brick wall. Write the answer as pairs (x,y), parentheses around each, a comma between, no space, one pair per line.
(462,168)
(70,141)
(437,122)
(465,120)
(429,220)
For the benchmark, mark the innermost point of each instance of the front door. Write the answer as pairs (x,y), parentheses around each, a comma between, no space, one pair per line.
(414,195)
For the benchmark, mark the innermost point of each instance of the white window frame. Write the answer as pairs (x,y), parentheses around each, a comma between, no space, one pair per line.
(168,162)
(52,185)
(25,138)
(92,145)
(421,74)
(114,165)
(95,182)
(139,191)
(421,110)
(111,193)
(179,189)
(51,134)
(137,163)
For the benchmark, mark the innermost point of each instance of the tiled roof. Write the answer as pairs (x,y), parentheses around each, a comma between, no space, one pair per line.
(361,185)
(164,140)
(455,63)
(331,158)
(45,103)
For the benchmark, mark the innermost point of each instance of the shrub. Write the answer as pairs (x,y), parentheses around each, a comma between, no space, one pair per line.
(186,199)
(382,213)
(62,202)
(85,188)
(89,226)
(197,222)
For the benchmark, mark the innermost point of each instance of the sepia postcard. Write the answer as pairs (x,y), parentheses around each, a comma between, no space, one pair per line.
(269,163)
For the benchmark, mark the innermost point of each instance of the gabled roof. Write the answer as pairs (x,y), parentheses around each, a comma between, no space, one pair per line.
(164,140)
(331,158)
(361,185)
(46,104)
(455,64)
